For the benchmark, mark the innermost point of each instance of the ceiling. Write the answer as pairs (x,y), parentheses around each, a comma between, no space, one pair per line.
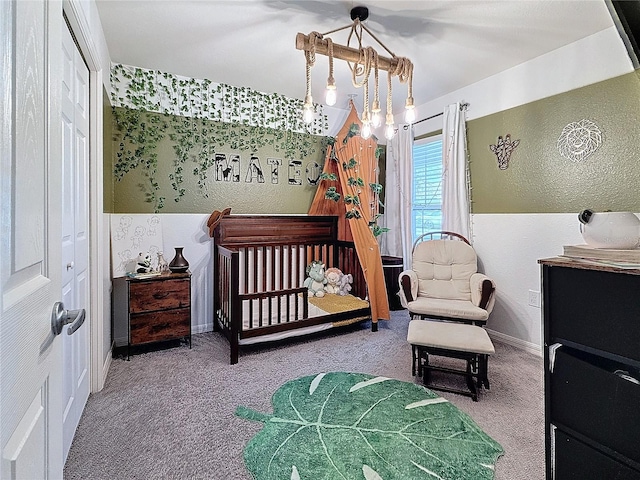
(251,43)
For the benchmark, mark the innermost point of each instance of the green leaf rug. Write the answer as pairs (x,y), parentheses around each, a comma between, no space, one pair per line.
(354,426)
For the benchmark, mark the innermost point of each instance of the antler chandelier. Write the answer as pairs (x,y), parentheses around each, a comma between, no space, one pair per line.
(362,61)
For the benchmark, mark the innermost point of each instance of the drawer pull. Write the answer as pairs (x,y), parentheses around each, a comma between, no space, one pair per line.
(552,355)
(625,375)
(160,295)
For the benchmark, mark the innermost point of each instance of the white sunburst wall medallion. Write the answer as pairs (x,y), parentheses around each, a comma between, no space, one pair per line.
(579,140)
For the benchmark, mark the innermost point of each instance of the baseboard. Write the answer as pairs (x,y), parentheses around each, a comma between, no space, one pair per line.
(516,342)
(106,366)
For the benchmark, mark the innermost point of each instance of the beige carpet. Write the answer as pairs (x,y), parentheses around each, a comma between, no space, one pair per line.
(170,414)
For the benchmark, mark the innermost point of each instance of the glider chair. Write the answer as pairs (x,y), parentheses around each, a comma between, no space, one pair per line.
(444,282)
(449,302)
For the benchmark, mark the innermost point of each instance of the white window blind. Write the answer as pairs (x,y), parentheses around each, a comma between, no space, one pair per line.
(426,214)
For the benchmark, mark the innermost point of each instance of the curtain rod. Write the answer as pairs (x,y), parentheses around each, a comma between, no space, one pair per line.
(463,106)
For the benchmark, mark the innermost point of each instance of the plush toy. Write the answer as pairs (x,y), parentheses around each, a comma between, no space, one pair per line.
(315,280)
(345,284)
(143,264)
(333,276)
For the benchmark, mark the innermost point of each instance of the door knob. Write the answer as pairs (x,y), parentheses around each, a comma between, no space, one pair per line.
(61,317)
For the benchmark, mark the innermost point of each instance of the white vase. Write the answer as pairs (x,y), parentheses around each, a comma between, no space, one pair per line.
(616,230)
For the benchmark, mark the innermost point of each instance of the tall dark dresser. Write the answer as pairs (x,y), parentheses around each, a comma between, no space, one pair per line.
(592,370)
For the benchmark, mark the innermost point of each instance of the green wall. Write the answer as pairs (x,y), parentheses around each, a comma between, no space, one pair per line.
(107,153)
(540,180)
(173,164)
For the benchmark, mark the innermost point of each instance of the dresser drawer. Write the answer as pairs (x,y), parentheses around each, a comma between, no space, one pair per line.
(159,295)
(597,309)
(159,326)
(576,460)
(587,396)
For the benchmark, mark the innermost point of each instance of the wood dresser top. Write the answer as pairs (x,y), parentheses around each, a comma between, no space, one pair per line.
(569,262)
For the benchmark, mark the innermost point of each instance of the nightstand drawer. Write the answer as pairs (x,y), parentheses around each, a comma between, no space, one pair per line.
(159,326)
(152,296)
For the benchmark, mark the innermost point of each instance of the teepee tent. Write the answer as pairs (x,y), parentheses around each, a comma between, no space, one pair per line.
(353,162)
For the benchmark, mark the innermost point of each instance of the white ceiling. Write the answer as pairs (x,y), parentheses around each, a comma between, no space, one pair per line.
(251,43)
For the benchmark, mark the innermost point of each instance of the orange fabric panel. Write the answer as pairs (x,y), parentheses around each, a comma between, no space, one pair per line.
(348,148)
(323,206)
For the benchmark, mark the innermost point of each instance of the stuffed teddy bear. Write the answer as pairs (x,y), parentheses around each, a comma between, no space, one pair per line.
(143,264)
(333,276)
(345,284)
(315,280)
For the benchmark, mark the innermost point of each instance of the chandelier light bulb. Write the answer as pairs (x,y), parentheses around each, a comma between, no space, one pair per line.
(366,131)
(376,116)
(331,95)
(307,115)
(410,114)
(409,111)
(307,110)
(389,131)
(376,119)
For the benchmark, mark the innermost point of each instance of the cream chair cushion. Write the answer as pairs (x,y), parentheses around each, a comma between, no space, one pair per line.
(445,282)
(444,269)
(450,336)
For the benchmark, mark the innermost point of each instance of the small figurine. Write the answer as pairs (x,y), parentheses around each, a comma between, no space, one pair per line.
(163,265)
(143,264)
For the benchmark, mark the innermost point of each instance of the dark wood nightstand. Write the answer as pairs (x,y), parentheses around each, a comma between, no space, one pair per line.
(152,309)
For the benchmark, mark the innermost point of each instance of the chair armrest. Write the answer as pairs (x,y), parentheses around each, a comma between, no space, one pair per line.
(408,281)
(482,291)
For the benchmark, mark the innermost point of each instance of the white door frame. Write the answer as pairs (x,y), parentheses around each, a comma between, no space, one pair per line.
(100,359)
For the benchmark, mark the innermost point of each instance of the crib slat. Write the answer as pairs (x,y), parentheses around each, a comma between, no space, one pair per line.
(281,259)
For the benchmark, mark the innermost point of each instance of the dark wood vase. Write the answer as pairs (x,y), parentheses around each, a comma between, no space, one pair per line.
(179,264)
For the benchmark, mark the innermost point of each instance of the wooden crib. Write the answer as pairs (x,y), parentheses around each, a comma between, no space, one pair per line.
(259,268)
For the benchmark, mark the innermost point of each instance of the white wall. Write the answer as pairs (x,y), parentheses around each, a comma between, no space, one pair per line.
(191,232)
(590,60)
(510,245)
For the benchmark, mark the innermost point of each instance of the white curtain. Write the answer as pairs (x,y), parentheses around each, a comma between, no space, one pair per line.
(398,193)
(455,188)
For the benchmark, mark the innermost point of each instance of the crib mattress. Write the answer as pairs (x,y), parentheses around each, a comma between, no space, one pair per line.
(317,306)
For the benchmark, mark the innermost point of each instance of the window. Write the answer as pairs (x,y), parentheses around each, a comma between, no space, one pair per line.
(426,209)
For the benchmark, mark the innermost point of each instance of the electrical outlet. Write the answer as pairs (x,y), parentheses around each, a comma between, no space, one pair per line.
(534,298)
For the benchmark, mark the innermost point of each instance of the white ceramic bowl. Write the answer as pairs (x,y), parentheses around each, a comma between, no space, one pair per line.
(617,230)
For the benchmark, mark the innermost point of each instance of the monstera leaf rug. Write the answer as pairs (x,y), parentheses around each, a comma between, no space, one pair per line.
(354,426)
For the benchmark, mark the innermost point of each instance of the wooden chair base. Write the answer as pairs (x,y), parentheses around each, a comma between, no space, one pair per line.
(475,371)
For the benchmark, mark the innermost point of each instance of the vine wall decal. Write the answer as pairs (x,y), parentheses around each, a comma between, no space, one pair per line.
(215,132)
(162,92)
(207,150)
